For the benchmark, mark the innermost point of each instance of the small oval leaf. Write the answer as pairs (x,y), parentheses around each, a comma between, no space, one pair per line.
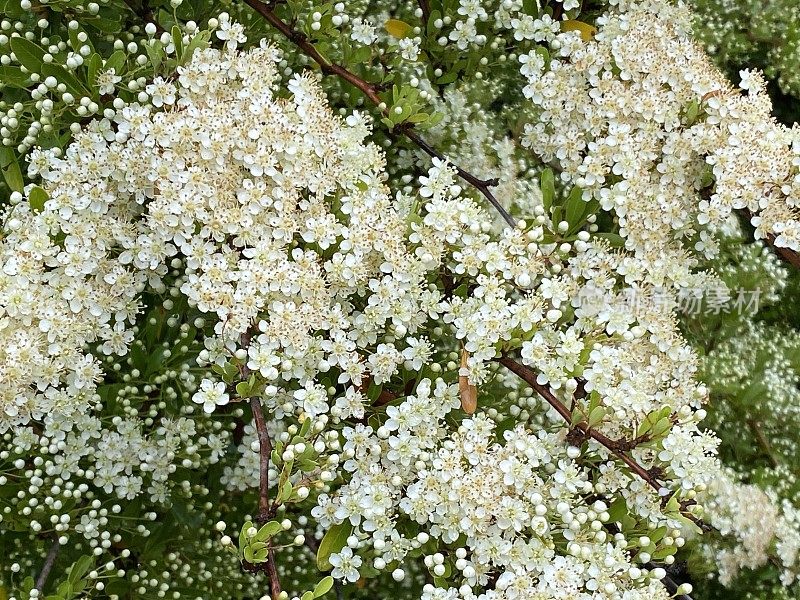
(334,540)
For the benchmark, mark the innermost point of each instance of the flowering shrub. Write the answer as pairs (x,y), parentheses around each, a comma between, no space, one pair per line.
(265,338)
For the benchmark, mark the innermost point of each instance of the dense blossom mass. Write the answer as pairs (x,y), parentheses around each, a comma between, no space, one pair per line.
(641,120)
(222,303)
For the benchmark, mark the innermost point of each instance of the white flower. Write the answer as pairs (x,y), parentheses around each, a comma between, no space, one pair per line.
(211,394)
(106,80)
(409,48)
(230,32)
(463,34)
(345,564)
(313,399)
(161,92)
(363,32)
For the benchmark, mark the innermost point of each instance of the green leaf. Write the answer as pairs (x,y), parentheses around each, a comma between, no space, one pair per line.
(11,170)
(95,64)
(285,493)
(116,61)
(323,587)
(243,389)
(104,25)
(361,55)
(260,555)
(155,51)
(243,539)
(663,553)
(447,78)
(64,76)
(574,208)
(431,28)
(64,590)
(692,111)
(334,540)
(434,119)
(177,40)
(79,568)
(28,54)
(36,198)
(596,415)
(616,240)
(548,185)
(661,427)
(418,118)
(198,42)
(307,596)
(14,77)
(617,510)
(267,531)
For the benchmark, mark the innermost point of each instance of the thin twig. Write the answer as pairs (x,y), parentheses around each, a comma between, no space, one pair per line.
(264,452)
(49,561)
(529,376)
(482,185)
(264,511)
(370,91)
(425,7)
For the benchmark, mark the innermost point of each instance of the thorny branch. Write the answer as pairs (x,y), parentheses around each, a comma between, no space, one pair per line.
(265,511)
(614,446)
(370,91)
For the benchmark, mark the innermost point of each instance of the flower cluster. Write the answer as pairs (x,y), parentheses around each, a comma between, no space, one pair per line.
(640,120)
(759,524)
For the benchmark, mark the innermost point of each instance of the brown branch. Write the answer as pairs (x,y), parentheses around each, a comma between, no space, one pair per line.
(371,92)
(425,7)
(301,41)
(785,254)
(49,561)
(272,574)
(265,512)
(264,452)
(482,185)
(529,376)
